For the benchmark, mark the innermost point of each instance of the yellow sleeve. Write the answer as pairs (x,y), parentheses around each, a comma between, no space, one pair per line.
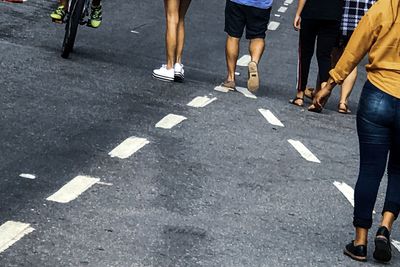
(359,45)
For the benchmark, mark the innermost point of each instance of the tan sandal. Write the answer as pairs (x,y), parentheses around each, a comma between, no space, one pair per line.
(309,93)
(253,82)
(230,85)
(343,108)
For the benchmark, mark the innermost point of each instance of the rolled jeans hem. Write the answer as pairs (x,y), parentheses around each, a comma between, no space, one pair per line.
(362,223)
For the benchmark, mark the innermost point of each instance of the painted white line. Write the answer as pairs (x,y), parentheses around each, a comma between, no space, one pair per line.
(237,73)
(73,189)
(245,92)
(271,118)
(128,147)
(135,32)
(27,176)
(277,15)
(282,9)
(169,121)
(273,25)
(103,183)
(201,101)
(221,89)
(303,150)
(347,191)
(288,2)
(244,61)
(396,244)
(11,232)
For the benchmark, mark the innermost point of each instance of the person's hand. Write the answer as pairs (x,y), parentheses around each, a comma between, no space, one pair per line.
(297,22)
(322,96)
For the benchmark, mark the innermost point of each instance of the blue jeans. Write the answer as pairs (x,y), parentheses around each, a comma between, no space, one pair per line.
(378,127)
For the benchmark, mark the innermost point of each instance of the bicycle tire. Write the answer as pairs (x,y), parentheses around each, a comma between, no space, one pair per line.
(71,27)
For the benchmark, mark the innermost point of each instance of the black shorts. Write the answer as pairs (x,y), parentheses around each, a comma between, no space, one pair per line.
(237,17)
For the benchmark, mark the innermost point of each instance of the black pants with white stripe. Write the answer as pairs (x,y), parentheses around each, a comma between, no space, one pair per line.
(323,32)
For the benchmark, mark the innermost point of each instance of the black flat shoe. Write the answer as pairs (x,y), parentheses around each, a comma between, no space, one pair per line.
(383,249)
(358,253)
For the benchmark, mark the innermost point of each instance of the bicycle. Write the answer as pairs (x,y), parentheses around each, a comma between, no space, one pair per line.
(78,13)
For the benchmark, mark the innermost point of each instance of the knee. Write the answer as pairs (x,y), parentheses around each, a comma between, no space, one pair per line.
(173,19)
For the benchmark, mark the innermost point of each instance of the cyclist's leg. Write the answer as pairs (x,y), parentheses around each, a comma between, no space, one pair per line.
(183,7)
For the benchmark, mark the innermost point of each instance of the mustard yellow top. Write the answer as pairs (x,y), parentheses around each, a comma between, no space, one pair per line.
(378,34)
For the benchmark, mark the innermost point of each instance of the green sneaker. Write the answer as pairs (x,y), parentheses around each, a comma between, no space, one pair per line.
(96,16)
(58,14)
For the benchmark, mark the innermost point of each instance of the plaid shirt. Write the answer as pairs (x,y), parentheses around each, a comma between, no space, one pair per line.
(353,11)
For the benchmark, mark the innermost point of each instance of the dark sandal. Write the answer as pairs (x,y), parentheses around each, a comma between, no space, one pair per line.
(293,101)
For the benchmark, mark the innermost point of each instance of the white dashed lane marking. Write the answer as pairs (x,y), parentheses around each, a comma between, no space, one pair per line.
(11,232)
(128,147)
(27,176)
(245,92)
(244,61)
(73,189)
(201,101)
(221,89)
(270,117)
(273,25)
(303,150)
(288,2)
(169,121)
(282,9)
(348,192)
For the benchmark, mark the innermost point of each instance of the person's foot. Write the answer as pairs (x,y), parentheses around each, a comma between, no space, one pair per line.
(253,82)
(358,253)
(230,85)
(164,74)
(58,14)
(383,249)
(343,108)
(179,72)
(309,93)
(96,16)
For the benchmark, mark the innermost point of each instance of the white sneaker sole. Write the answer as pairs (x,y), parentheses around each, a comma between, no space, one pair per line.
(163,78)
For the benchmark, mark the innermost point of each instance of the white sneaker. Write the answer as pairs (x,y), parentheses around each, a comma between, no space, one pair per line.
(179,72)
(164,74)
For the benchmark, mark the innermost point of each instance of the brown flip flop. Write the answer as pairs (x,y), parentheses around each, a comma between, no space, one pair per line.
(231,85)
(253,82)
(343,108)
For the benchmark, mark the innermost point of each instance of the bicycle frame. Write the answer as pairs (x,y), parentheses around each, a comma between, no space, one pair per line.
(85,13)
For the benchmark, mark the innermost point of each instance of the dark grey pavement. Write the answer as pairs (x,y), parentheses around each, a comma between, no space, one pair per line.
(223,188)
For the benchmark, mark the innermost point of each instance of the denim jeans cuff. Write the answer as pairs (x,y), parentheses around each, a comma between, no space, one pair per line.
(391,207)
(363,223)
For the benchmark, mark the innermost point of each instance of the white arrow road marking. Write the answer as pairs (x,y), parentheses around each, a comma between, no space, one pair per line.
(244,61)
(169,121)
(27,176)
(303,150)
(273,25)
(128,147)
(396,244)
(245,92)
(11,232)
(201,101)
(73,189)
(270,117)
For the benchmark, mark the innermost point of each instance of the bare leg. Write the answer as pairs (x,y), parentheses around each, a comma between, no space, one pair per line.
(256,49)
(347,86)
(232,54)
(184,6)
(361,236)
(172,17)
(387,220)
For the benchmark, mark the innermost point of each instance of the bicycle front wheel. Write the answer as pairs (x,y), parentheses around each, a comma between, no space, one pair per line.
(71,27)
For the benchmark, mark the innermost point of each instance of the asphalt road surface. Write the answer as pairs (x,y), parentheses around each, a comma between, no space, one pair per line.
(224,187)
